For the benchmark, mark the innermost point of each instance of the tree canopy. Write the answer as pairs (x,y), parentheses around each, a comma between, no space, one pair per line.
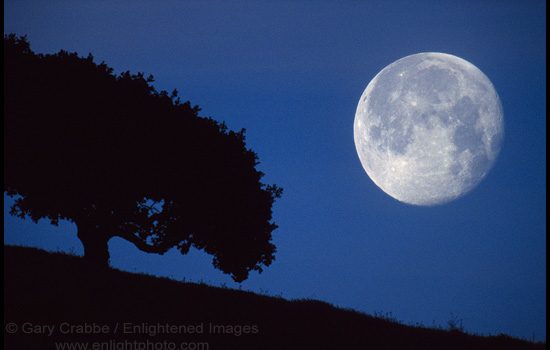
(118,158)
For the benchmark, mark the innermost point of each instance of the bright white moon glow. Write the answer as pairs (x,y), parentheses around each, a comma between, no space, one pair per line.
(428,128)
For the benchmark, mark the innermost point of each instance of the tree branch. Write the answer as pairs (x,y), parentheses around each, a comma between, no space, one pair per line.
(144,246)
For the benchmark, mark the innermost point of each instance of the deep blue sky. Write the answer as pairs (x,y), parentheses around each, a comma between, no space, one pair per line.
(291,73)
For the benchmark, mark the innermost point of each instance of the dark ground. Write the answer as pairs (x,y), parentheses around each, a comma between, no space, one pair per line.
(44,290)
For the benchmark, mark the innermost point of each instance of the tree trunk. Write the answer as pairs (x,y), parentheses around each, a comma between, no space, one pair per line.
(96,248)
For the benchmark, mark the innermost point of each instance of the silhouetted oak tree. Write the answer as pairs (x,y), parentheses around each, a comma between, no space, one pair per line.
(118,158)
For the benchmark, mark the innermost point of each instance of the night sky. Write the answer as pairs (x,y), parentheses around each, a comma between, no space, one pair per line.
(291,73)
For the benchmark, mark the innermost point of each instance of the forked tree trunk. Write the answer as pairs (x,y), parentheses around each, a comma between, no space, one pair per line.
(96,248)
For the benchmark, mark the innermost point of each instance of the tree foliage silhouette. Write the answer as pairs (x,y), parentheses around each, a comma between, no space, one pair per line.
(118,158)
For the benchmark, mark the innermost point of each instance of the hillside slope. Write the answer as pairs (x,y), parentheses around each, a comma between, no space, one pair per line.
(55,301)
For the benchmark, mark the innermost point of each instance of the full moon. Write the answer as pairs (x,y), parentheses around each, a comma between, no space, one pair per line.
(428,128)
